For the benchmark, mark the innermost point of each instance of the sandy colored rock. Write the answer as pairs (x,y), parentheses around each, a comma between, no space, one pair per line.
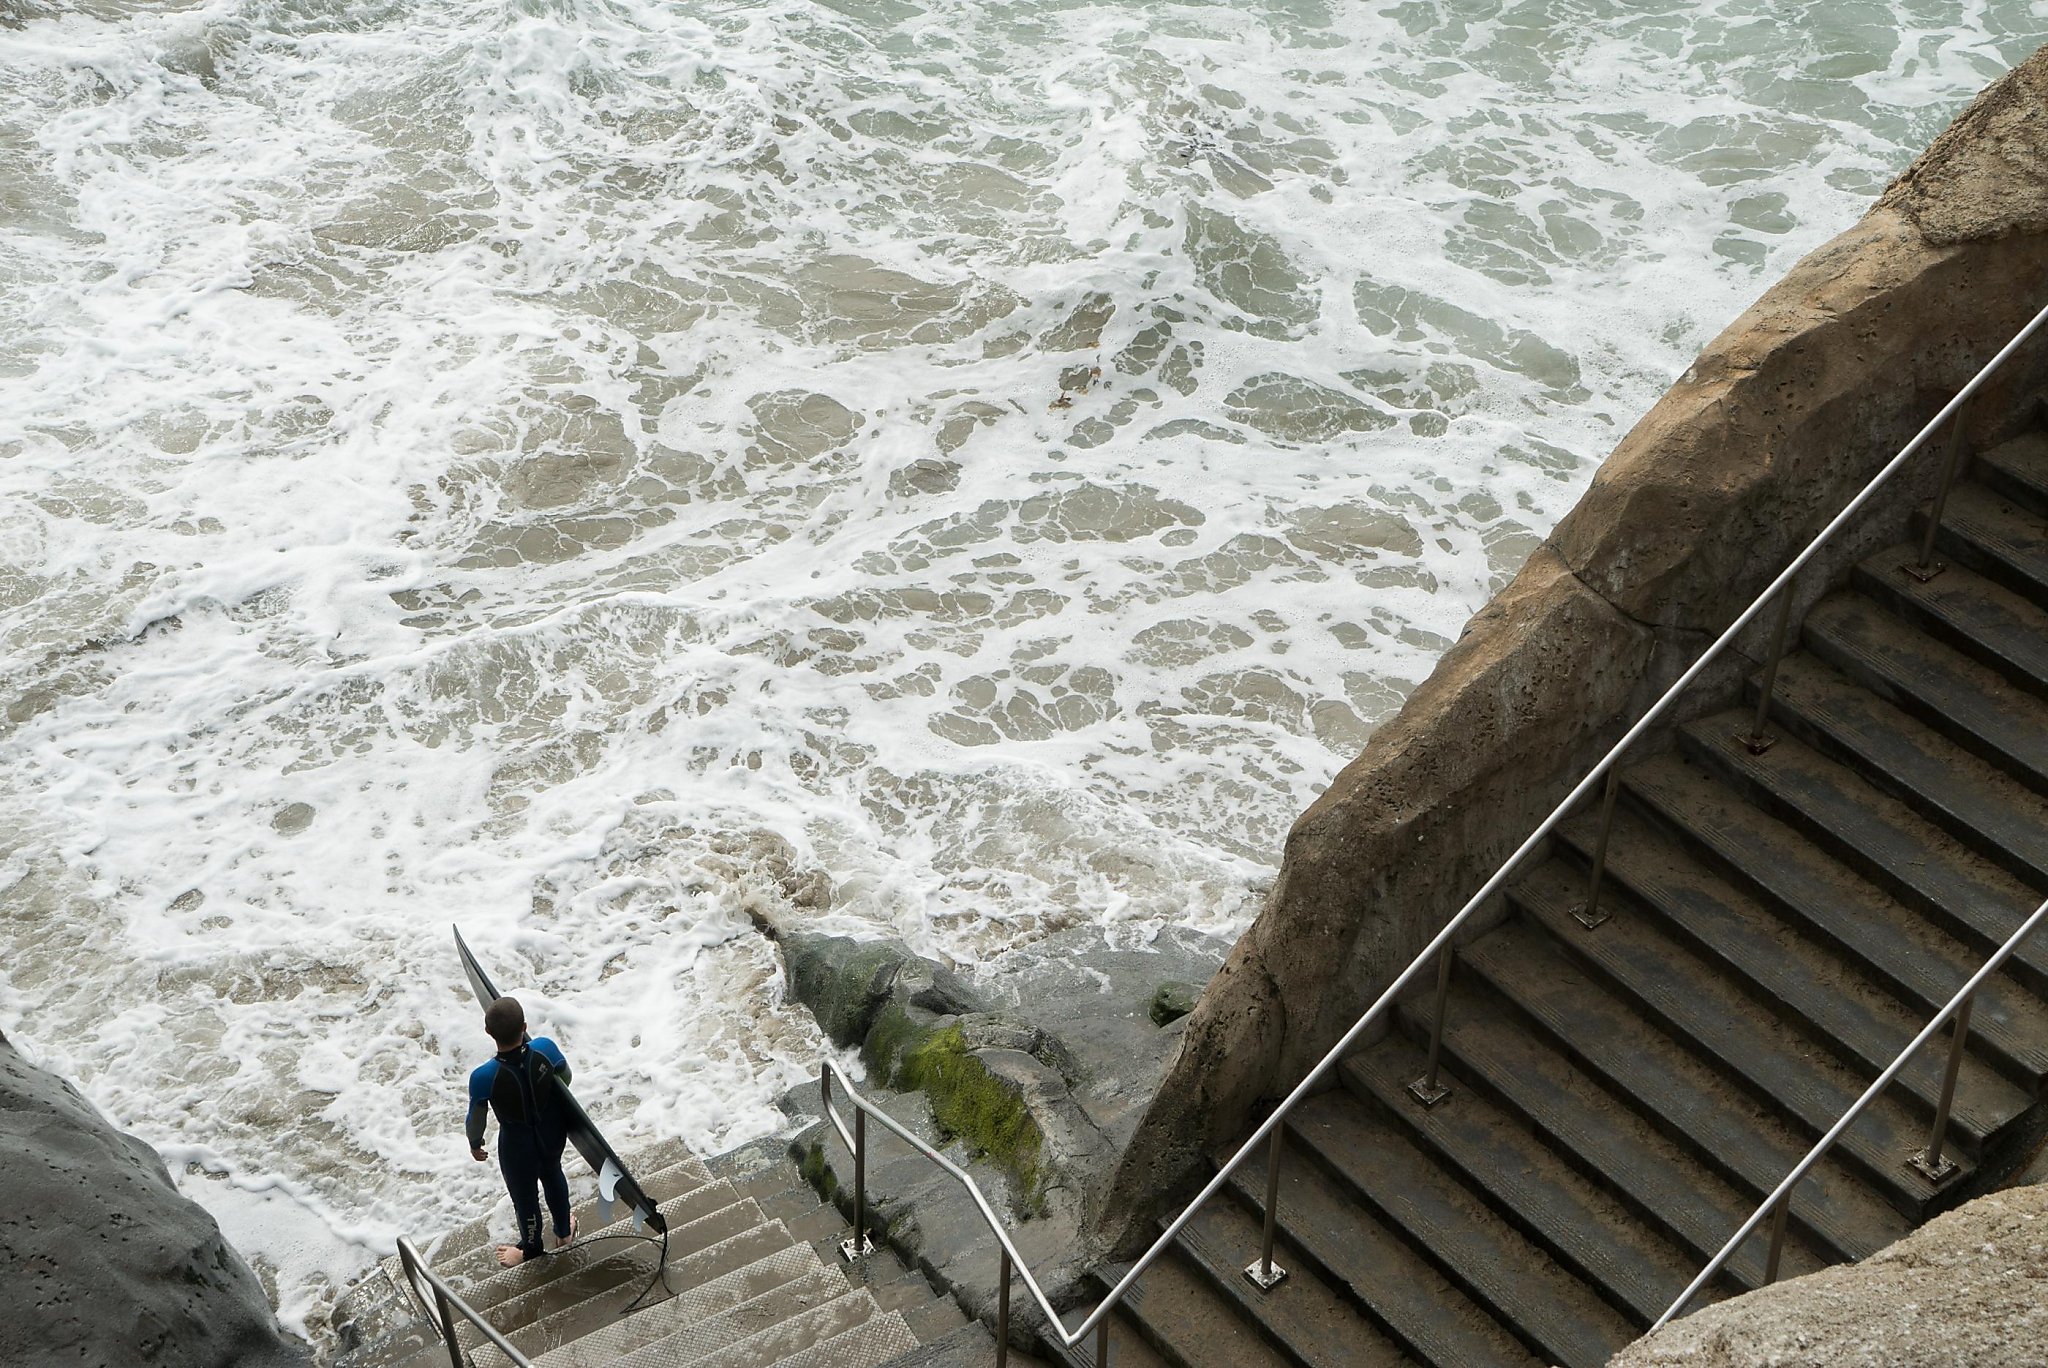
(1987,175)
(1970,1287)
(1778,424)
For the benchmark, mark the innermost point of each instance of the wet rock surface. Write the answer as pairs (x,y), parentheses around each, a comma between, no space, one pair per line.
(104,1262)
(1969,1287)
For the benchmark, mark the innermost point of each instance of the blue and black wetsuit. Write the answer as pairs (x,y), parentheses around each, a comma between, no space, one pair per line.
(531,1132)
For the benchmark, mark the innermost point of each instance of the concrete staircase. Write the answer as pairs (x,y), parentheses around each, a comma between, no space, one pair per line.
(1622,1098)
(752,1261)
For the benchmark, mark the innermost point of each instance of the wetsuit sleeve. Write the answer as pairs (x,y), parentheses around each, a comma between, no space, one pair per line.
(480,1081)
(552,1053)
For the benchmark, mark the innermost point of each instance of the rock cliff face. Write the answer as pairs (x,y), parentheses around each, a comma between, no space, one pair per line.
(1969,1287)
(1780,421)
(103,1261)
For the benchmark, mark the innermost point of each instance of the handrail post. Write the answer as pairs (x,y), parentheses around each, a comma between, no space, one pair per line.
(1102,1343)
(1426,1089)
(1758,741)
(1930,1163)
(1263,1272)
(1003,1314)
(448,1327)
(1778,1215)
(1588,913)
(1926,567)
(859,1246)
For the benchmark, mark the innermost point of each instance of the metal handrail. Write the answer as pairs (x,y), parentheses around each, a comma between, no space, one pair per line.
(448,1302)
(856,1145)
(1427,1090)
(1779,1202)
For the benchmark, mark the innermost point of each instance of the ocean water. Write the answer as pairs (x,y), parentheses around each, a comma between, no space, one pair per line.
(600,471)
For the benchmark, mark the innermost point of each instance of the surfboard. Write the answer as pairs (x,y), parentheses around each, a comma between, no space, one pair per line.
(614,1182)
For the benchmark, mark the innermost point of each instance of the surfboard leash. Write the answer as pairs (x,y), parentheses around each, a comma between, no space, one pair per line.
(660,1268)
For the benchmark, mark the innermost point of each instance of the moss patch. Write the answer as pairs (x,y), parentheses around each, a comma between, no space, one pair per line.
(973,1105)
(895,1034)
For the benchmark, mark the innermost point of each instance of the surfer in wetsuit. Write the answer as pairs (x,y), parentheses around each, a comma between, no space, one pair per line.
(531,1128)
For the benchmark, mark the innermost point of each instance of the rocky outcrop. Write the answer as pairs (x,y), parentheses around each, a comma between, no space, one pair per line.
(104,1262)
(1781,420)
(1032,1077)
(1969,1287)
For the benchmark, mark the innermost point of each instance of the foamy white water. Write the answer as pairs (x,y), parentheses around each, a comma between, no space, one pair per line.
(586,468)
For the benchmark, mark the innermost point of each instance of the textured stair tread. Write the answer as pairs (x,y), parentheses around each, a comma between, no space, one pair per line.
(1398,1289)
(1187,1319)
(880,1340)
(809,1325)
(2019,468)
(1493,1263)
(1997,536)
(678,1172)
(1695,1104)
(1319,1326)
(1982,806)
(893,1287)
(933,1319)
(1977,616)
(469,1252)
(1127,1347)
(701,1298)
(692,1337)
(566,1307)
(1749,1042)
(1581,1117)
(1918,959)
(685,1238)
(1800,980)
(970,1345)
(1969,702)
(1584,1228)
(1889,840)
(675,1189)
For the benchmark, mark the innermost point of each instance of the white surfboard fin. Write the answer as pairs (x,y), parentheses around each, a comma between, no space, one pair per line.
(607,1190)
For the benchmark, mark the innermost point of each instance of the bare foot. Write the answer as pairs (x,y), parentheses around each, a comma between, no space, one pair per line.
(560,1242)
(509,1256)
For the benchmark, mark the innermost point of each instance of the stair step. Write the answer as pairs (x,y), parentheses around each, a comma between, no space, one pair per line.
(1128,1347)
(1178,1308)
(1998,537)
(1393,1285)
(1798,981)
(1691,1103)
(1918,961)
(1963,893)
(672,1171)
(1982,807)
(1977,616)
(682,1184)
(685,1237)
(687,1340)
(1581,1227)
(968,1346)
(1316,1325)
(1493,1263)
(1678,990)
(802,1328)
(1971,704)
(881,1340)
(2017,469)
(706,1294)
(1581,1119)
